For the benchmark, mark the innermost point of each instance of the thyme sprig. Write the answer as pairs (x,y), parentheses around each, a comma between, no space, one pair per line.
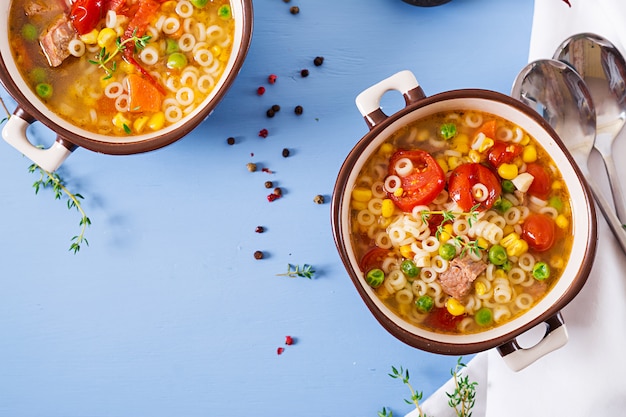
(416,396)
(104,57)
(451,216)
(293,271)
(53,181)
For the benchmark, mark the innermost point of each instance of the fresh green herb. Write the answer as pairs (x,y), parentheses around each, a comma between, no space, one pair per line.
(416,396)
(450,216)
(104,57)
(464,395)
(385,413)
(53,180)
(127,129)
(293,271)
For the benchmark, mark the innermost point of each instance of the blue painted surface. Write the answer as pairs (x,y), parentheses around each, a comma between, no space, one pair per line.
(167,312)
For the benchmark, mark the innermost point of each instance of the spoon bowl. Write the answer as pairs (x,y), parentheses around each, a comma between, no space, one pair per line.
(559,94)
(603,68)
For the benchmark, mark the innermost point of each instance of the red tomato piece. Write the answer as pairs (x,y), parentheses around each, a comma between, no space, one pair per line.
(422,184)
(488,129)
(465,177)
(373,259)
(540,186)
(85,15)
(539,232)
(441,319)
(503,153)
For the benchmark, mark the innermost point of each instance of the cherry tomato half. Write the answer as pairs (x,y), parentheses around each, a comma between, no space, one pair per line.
(540,186)
(539,232)
(440,319)
(85,15)
(422,184)
(503,153)
(465,177)
(373,259)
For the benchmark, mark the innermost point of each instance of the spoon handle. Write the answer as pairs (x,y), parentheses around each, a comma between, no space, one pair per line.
(616,189)
(609,214)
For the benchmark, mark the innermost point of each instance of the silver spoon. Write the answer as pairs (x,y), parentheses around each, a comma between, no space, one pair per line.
(603,69)
(560,95)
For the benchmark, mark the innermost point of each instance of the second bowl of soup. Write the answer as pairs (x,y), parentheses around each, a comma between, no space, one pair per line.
(117,76)
(463,221)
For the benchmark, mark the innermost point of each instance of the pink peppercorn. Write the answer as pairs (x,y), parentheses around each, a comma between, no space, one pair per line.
(280,350)
(263,133)
(272,197)
(272,78)
(288,340)
(260,91)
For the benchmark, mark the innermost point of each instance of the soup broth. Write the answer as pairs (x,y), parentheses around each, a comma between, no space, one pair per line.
(461,222)
(126,68)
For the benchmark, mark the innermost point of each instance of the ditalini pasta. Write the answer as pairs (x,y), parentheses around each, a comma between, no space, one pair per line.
(467,219)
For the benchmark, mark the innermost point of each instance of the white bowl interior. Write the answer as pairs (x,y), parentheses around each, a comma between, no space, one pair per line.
(581,227)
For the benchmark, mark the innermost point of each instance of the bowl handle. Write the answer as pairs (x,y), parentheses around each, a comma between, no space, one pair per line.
(368,102)
(518,358)
(14,133)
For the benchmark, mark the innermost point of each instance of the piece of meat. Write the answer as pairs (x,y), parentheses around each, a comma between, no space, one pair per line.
(457,280)
(38,7)
(56,39)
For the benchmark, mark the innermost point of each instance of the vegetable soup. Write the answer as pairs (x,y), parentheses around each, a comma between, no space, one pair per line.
(461,222)
(121,67)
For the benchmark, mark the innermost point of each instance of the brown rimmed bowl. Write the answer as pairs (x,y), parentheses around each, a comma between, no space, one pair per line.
(547,310)
(30,108)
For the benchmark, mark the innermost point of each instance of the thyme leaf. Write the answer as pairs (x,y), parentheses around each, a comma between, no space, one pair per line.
(293,271)
(104,56)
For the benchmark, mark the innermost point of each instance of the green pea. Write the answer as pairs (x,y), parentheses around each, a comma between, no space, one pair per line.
(375,277)
(177,60)
(447,130)
(483,317)
(497,255)
(502,205)
(409,268)
(508,186)
(199,3)
(424,303)
(447,251)
(556,202)
(44,90)
(506,266)
(30,32)
(541,271)
(38,75)
(224,12)
(171,46)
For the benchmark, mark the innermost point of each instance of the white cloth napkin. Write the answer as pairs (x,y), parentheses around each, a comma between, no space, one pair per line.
(585,376)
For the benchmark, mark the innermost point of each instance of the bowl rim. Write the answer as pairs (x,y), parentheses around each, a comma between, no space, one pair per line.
(32,109)
(475,343)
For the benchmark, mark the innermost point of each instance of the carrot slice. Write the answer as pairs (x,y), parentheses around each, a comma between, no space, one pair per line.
(488,128)
(143,95)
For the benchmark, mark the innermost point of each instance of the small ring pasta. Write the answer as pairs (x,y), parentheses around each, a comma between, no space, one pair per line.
(76,47)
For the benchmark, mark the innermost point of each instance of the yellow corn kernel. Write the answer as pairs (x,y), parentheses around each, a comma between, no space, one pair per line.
(525,141)
(140,123)
(487,144)
(453,162)
(358,205)
(557,185)
(443,164)
(106,38)
(561,221)
(509,239)
(157,121)
(423,135)
(454,307)
(529,154)
(482,243)
(500,273)
(387,208)
(518,248)
(362,194)
(168,6)
(480,288)
(216,50)
(557,262)
(385,149)
(508,171)
(508,229)
(90,38)
(406,252)
(399,191)
(120,121)
(474,156)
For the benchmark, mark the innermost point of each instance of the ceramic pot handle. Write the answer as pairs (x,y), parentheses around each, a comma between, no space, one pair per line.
(14,133)
(517,358)
(368,102)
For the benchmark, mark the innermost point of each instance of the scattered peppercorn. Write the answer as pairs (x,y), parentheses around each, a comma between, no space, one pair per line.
(288,340)
(304,73)
(319,60)
(272,78)
(230,140)
(285,152)
(259,229)
(267,170)
(269,184)
(260,91)
(263,133)
(294,10)
(270,113)
(318,199)
(286,1)
(251,166)
(258,255)
(276,108)
(298,110)
(273,197)
(280,350)
(278,191)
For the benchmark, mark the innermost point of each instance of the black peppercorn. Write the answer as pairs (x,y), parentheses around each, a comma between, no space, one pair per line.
(251,166)
(304,73)
(258,255)
(269,184)
(278,191)
(318,199)
(270,113)
(319,60)
(276,108)
(230,140)
(259,229)
(285,152)
(294,10)
(298,110)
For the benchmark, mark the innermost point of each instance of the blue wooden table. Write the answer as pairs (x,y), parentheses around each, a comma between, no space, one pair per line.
(167,312)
